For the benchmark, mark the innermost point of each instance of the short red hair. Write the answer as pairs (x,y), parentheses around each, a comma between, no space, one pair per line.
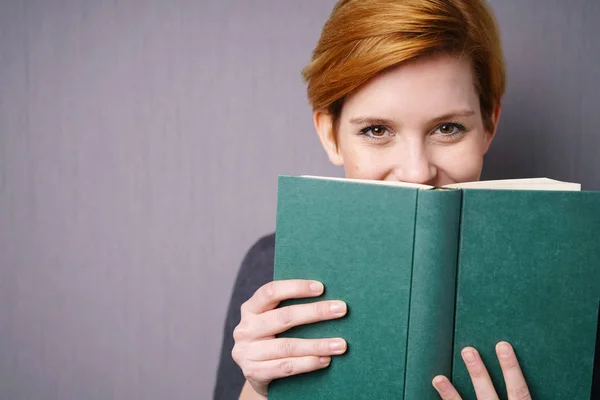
(362,38)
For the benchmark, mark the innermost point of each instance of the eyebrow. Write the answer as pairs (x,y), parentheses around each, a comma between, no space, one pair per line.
(454,114)
(388,122)
(371,121)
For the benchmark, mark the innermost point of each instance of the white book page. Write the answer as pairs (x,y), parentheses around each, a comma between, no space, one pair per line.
(372,182)
(505,184)
(519,184)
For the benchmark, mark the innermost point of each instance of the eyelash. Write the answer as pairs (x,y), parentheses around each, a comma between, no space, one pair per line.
(364,132)
(459,127)
(460,131)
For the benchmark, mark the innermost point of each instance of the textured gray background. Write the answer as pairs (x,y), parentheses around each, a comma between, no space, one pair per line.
(140,142)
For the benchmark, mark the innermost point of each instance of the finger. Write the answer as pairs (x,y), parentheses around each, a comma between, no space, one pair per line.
(482,383)
(516,387)
(274,349)
(280,320)
(268,296)
(445,389)
(266,371)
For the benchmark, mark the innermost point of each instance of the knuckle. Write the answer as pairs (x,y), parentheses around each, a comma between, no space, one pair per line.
(521,393)
(250,372)
(285,317)
(320,347)
(237,354)
(268,290)
(286,348)
(511,363)
(240,331)
(322,310)
(477,371)
(286,367)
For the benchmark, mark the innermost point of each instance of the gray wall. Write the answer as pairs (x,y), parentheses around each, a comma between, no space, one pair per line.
(550,125)
(139,146)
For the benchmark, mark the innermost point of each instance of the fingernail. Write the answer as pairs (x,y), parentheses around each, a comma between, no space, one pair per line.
(504,349)
(338,308)
(325,360)
(316,287)
(442,384)
(469,356)
(338,346)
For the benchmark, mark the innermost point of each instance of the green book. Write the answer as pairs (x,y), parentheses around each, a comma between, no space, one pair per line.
(427,271)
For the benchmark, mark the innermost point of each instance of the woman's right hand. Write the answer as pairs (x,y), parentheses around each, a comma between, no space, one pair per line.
(263,357)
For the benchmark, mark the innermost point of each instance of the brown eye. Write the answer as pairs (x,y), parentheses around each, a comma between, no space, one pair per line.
(378,131)
(375,132)
(450,130)
(446,129)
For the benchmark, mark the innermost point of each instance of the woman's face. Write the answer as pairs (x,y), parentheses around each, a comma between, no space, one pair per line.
(419,122)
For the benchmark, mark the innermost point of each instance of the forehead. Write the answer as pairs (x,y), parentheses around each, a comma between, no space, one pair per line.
(420,88)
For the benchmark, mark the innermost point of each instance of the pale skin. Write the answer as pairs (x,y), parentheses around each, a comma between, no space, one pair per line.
(419,122)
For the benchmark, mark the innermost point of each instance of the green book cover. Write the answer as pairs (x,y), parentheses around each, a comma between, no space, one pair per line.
(426,272)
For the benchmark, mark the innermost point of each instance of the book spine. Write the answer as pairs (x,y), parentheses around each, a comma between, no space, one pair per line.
(432,299)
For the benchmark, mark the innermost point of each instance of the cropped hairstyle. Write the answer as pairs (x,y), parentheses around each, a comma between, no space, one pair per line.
(363,38)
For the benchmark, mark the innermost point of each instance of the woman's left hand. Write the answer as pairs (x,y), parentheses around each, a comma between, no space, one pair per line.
(513,377)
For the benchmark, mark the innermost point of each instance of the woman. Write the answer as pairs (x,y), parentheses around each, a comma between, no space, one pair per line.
(406,90)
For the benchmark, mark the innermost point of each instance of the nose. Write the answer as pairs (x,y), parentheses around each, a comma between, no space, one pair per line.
(413,163)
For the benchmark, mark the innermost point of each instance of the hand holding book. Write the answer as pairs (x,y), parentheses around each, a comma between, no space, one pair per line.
(263,357)
(426,272)
(516,386)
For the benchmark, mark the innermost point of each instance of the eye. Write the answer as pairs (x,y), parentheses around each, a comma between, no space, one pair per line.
(450,129)
(374,131)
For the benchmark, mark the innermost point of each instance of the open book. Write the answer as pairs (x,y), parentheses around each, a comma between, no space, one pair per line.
(428,272)
(503,184)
